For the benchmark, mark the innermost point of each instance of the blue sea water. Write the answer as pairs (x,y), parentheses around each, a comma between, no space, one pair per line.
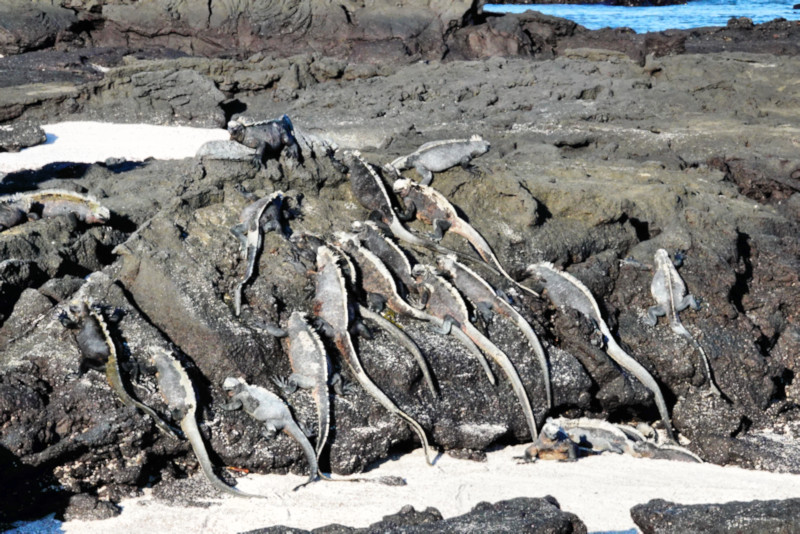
(694,14)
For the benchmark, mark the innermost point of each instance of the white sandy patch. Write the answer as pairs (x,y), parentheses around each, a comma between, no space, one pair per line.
(600,490)
(90,142)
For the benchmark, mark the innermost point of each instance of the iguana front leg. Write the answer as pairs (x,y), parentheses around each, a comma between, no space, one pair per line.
(427,175)
(440,226)
(258,159)
(653,313)
(485,312)
(233,405)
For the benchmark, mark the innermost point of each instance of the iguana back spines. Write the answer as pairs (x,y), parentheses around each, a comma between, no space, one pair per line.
(331,304)
(566,291)
(478,290)
(179,394)
(310,370)
(671,296)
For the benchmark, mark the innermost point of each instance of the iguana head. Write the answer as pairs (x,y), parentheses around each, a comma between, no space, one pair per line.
(236,130)
(346,240)
(74,313)
(233,385)
(446,263)
(662,257)
(402,186)
(479,145)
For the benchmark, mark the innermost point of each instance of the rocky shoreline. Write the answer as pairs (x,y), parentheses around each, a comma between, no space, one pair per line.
(606,146)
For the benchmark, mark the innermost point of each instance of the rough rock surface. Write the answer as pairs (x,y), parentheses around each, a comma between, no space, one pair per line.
(516,515)
(599,154)
(14,137)
(662,517)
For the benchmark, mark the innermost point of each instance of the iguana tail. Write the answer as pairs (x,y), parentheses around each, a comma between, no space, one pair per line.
(470,345)
(348,351)
(681,330)
(533,341)
(252,251)
(485,250)
(402,338)
(636,369)
(294,431)
(189,426)
(511,373)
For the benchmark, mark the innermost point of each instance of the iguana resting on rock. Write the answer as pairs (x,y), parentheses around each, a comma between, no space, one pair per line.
(433,208)
(566,291)
(395,259)
(100,352)
(310,370)
(16,208)
(438,156)
(266,407)
(333,307)
(257,218)
(368,188)
(487,302)
(444,302)
(378,284)
(669,292)
(178,392)
(275,135)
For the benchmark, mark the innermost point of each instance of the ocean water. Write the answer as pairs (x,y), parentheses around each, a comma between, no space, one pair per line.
(694,14)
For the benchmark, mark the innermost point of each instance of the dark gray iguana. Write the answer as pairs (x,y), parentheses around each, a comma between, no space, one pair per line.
(263,215)
(669,292)
(16,208)
(368,188)
(438,156)
(487,301)
(433,208)
(275,135)
(266,407)
(566,291)
(444,302)
(99,351)
(178,392)
(333,307)
(382,292)
(393,257)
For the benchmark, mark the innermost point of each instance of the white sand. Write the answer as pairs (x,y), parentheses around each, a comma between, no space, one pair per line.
(600,490)
(90,142)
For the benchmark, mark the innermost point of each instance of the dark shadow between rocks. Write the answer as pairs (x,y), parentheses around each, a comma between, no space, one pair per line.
(15,182)
(28,492)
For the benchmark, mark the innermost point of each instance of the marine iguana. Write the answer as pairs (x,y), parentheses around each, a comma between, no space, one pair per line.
(369,190)
(275,135)
(444,302)
(266,407)
(595,436)
(16,208)
(393,257)
(332,306)
(178,392)
(438,156)
(310,370)
(263,215)
(669,291)
(487,301)
(99,351)
(566,291)
(433,208)
(381,291)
